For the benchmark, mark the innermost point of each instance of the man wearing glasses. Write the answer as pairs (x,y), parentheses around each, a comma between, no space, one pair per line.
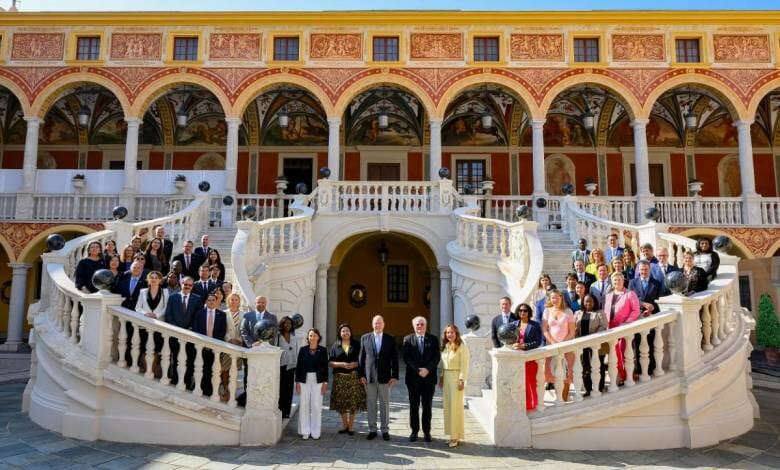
(179,312)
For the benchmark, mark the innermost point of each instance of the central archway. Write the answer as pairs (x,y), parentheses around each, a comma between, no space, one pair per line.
(388,274)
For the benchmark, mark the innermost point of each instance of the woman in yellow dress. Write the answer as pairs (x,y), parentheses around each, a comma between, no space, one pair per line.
(454,367)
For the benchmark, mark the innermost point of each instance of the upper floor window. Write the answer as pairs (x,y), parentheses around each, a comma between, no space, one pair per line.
(469,172)
(486,49)
(386,49)
(398,283)
(88,48)
(286,48)
(688,50)
(185,48)
(586,50)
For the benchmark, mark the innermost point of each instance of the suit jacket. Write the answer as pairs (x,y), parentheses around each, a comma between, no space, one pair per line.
(589,279)
(142,304)
(202,292)
(167,249)
(200,325)
(669,268)
(655,272)
(414,361)
(175,313)
(498,320)
(608,253)
(532,338)
(195,262)
(248,326)
(320,361)
(203,253)
(649,295)
(123,289)
(595,291)
(577,255)
(378,366)
(571,301)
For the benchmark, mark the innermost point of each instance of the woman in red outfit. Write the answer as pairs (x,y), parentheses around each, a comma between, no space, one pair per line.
(529,336)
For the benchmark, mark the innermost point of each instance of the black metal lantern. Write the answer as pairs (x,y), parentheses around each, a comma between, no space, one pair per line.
(383,253)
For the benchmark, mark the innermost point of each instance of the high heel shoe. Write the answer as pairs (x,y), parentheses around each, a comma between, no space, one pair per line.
(454,443)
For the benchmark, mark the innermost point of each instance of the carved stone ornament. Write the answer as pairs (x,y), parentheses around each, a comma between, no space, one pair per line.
(336,46)
(436,46)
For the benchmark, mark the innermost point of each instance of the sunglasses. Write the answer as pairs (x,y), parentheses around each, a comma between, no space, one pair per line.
(524,310)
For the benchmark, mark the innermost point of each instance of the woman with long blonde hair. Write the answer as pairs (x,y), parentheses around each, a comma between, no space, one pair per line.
(454,368)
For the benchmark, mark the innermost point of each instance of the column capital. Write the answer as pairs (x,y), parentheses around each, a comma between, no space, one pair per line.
(19,266)
(435,121)
(743,123)
(334,121)
(132,121)
(33,120)
(639,122)
(444,272)
(537,123)
(323,267)
(233,120)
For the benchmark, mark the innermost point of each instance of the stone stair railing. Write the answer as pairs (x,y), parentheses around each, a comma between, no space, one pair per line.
(86,337)
(366,197)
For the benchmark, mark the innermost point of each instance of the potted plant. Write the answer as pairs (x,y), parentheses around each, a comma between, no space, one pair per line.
(78,180)
(180,181)
(768,329)
(590,185)
(694,187)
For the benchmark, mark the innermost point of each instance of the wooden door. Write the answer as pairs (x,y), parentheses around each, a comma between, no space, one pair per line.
(657,184)
(384,172)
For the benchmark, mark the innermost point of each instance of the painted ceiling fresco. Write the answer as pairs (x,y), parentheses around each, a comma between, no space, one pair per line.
(405,118)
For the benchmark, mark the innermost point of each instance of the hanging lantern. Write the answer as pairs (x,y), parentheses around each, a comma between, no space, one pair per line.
(383,119)
(690,120)
(181,118)
(587,120)
(284,118)
(83,116)
(486,119)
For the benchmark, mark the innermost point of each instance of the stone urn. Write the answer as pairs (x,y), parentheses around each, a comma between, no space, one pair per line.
(591,187)
(695,187)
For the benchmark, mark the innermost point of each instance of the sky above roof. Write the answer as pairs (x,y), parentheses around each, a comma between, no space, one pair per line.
(310,5)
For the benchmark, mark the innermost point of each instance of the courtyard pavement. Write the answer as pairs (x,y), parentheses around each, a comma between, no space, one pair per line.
(24,445)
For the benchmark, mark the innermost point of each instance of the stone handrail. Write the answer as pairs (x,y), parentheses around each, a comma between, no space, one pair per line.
(700,211)
(73,206)
(504,207)
(406,197)
(581,224)
(7,206)
(770,211)
(267,206)
(615,208)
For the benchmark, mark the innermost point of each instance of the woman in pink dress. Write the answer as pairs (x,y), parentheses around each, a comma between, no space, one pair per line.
(621,306)
(558,326)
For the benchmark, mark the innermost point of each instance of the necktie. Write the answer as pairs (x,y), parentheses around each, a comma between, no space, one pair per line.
(420,344)
(506,318)
(377,344)
(187,261)
(133,283)
(644,285)
(582,277)
(210,323)
(204,284)
(663,268)
(602,287)
(184,300)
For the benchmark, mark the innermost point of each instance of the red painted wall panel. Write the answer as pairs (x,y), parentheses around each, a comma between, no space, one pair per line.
(615,185)
(13,159)
(352,166)
(446,162)
(499,171)
(585,166)
(156,160)
(679,183)
(414,166)
(322,160)
(526,176)
(707,173)
(765,175)
(268,171)
(94,160)
(66,159)
(242,182)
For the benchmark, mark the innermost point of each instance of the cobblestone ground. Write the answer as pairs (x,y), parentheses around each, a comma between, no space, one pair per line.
(24,445)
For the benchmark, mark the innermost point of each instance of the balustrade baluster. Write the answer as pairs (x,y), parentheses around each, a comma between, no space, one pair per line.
(595,371)
(559,378)
(165,359)
(658,351)
(216,375)
(121,345)
(644,356)
(540,385)
(715,315)
(149,374)
(181,366)
(197,374)
(613,368)
(74,321)
(232,380)
(706,327)
(628,361)
(672,346)
(578,385)
(135,348)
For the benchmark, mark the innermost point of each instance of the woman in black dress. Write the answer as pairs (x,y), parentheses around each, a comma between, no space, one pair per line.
(109,250)
(348,396)
(155,256)
(87,267)
(114,265)
(695,277)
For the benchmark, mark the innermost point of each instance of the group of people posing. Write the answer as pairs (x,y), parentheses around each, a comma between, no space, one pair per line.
(605,289)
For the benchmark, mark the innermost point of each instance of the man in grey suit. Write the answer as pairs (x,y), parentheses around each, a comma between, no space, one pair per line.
(250,318)
(378,371)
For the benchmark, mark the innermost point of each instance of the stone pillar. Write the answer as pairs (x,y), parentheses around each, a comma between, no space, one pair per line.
(231,154)
(30,154)
(642,165)
(333,303)
(434,324)
(321,297)
(334,152)
(16,308)
(131,155)
(261,424)
(510,425)
(435,159)
(751,199)
(445,286)
(537,139)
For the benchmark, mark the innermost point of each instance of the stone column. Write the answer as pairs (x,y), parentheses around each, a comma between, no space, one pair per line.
(642,165)
(435,159)
(16,308)
(537,139)
(445,302)
(231,154)
(333,303)
(334,152)
(750,199)
(434,324)
(131,154)
(30,153)
(321,297)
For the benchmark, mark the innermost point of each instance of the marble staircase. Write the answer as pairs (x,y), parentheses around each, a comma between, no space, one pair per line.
(557,255)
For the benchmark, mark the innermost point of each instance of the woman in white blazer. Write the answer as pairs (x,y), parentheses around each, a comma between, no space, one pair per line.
(151,303)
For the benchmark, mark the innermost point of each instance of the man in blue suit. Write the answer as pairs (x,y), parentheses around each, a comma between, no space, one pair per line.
(204,285)
(180,311)
(648,290)
(211,322)
(612,250)
(131,283)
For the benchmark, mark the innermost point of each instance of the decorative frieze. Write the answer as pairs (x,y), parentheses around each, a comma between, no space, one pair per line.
(740,48)
(436,46)
(234,46)
(38,46)
(638,48)
(336,46)
(136,46)
(542,47)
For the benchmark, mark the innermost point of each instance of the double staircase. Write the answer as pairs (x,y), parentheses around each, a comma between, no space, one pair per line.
(557,256)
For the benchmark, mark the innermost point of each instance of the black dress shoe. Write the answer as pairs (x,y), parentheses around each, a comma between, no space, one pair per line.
(428,438)
(371,436)
(343,431)
(413,437)
(351,433)
(386,436)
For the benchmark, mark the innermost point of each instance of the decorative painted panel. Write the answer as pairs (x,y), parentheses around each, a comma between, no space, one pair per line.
(741,48)
(536,47)
(136,46)
(336,46)
(234,46)
(436,46)
(638,47)
(38,46)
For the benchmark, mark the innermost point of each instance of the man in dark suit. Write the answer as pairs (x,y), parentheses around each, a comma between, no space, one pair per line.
(203,249)
(602,286)
(648,290)
(378,371)
(211,322)
(131,283)
(159,232)
(253,317)
(180,311)
(665,267)
(190,261)
(204,284)
(505,317)
(421,355)
(582,276)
